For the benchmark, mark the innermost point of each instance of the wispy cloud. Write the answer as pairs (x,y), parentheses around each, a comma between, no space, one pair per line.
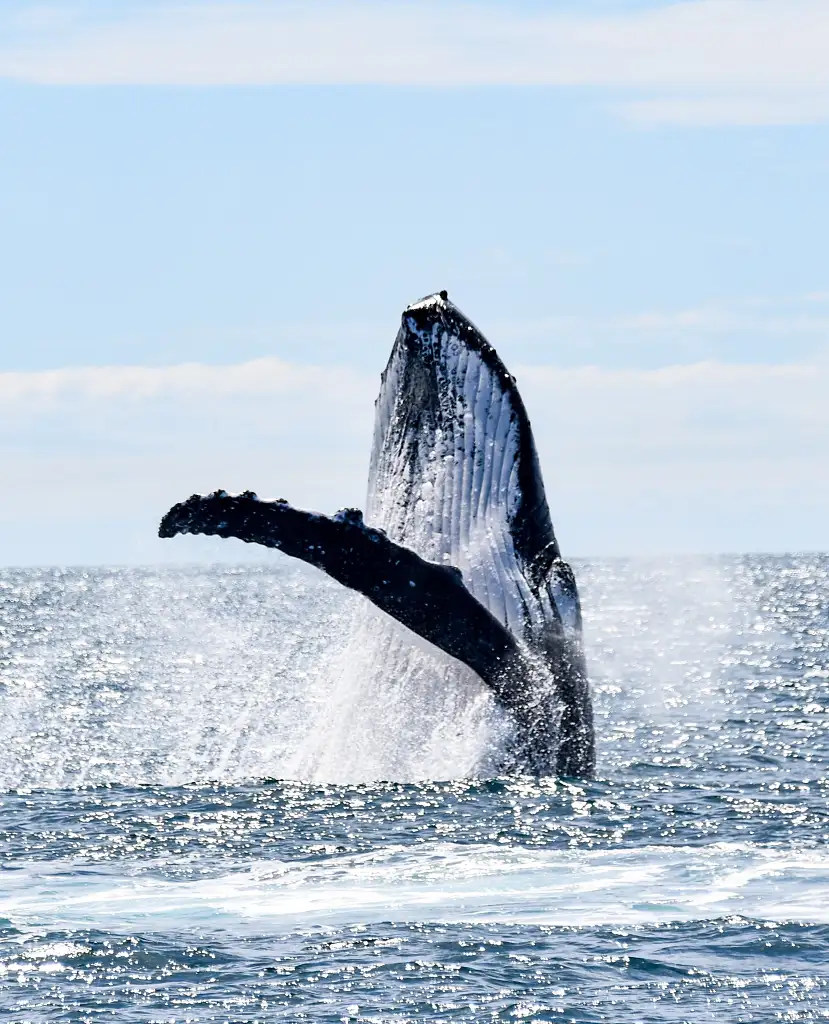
(269,376)
(773,323)
(707,61)
(698,457)
(724,319)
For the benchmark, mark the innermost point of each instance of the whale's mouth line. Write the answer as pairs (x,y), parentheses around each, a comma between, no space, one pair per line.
(458,544)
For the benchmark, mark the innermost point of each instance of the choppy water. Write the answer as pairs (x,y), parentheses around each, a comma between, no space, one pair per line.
(154,869)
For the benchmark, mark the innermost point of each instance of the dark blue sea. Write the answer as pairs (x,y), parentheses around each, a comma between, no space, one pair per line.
(223,800)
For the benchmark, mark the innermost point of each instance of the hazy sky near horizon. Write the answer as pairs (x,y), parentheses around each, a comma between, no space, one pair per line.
(212,214)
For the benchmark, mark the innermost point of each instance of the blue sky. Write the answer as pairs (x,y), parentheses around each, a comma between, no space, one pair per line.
(636,188)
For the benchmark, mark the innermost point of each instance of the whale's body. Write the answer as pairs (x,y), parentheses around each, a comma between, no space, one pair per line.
(458,543)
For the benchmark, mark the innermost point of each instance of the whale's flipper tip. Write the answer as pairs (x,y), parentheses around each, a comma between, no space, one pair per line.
(168,527)
(176,519)
(184,516)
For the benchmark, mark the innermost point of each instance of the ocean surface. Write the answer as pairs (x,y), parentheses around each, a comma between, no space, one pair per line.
(228,796)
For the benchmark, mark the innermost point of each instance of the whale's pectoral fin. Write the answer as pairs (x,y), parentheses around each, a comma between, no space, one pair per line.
(429,599)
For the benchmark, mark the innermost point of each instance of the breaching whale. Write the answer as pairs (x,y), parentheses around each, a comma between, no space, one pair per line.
(457,543)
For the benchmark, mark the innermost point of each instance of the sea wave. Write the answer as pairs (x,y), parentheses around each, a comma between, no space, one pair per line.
(438,882)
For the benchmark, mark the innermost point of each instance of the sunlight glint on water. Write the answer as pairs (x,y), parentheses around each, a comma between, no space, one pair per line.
(152,871)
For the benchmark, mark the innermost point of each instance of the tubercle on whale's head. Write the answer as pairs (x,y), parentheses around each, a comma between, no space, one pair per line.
(420,317)
(435,300)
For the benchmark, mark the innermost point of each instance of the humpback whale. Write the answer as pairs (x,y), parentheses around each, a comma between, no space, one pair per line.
(457,543)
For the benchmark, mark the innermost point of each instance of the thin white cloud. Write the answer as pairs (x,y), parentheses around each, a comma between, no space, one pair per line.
(722,319)
(700,457)
(272,378)
(708,61)
(267,376)
(718,412)
(800,317)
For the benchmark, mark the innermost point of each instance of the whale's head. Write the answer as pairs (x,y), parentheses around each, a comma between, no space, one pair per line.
(454,470)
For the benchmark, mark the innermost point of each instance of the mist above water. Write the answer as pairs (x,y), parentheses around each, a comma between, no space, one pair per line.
(173,676)
(176,675)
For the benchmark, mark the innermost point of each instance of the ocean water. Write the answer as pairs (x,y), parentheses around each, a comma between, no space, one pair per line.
(225,797)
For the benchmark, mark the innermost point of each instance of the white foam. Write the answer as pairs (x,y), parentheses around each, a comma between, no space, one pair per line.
(437,882)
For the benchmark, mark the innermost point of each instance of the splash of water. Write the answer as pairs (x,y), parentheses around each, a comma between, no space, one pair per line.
(273,671)
(172,676)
